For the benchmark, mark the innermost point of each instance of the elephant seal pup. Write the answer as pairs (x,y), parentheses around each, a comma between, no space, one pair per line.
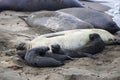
(34,58)
(21,52)
(55,21)
(96,45)
(37,5)
(98,19)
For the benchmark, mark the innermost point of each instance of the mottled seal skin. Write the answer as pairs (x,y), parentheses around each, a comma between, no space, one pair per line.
(55,21)
(34,57)
(95,45)
(98,19)
(36,5)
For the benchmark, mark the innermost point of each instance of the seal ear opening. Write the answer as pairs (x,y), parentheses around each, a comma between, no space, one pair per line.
(23,17)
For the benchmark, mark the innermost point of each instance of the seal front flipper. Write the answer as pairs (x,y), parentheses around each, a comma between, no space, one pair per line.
(87,55)
(69,58)
(21,53)
(58,56)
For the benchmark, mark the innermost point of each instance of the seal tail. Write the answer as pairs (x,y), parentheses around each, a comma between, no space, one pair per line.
(23,17)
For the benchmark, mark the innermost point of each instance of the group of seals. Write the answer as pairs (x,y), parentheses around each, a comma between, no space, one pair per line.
(71,18)
(39,57)
(37,5)
(51,50)
(69,45)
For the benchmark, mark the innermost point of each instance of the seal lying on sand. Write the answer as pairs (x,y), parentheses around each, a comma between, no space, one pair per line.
(55,21)
(96,45)
(97,19)
(36,5)
(70,40)
(34,58)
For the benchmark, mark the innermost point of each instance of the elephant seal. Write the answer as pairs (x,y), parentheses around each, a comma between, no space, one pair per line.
(71,40)
(55,21)
(37,5)
(96,18)
(34,57)
(42,51)
(96,45)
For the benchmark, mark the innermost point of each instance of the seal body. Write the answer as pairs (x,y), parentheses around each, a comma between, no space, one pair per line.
(98,19)
(36,5)
(55,21)
(95,46)
(34,57)
(71,39)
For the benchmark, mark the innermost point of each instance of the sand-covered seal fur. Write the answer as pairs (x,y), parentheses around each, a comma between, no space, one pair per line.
(55,21)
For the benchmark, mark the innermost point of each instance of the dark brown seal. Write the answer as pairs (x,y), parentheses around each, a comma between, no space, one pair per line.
(96,18)
(36,5)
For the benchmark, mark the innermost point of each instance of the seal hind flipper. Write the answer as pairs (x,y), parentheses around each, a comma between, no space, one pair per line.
(23,17)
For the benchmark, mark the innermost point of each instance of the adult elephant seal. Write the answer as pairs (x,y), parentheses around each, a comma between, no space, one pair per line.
(70,40)
(36,5)
(97,19)
(55,21)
